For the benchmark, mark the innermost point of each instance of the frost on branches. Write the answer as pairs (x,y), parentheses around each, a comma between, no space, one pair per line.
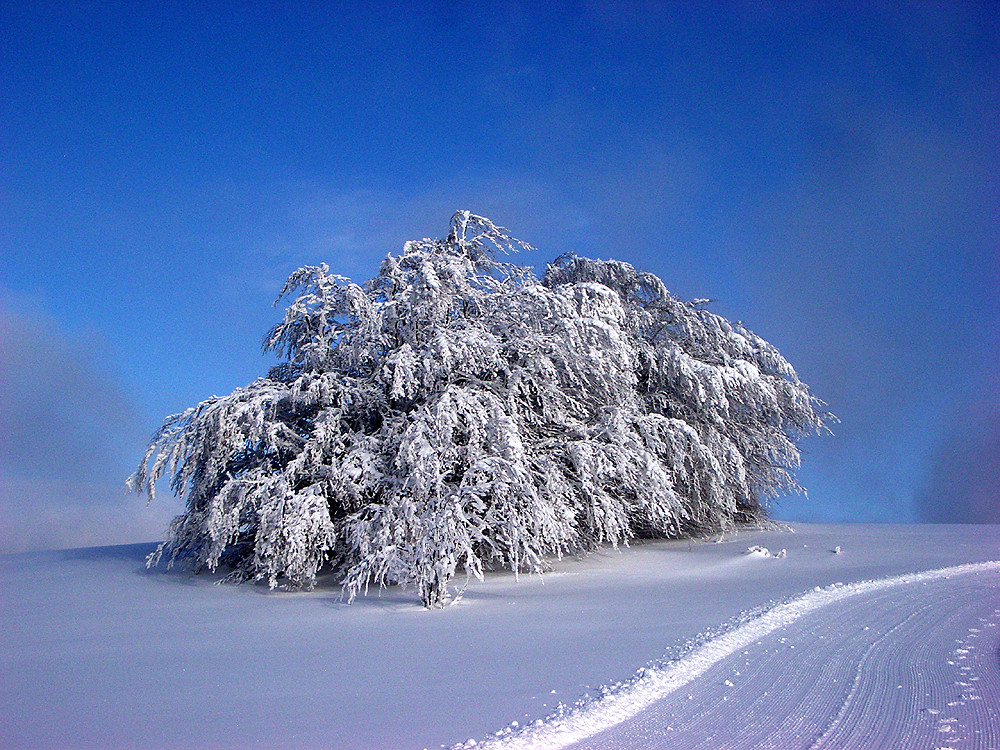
(457,414)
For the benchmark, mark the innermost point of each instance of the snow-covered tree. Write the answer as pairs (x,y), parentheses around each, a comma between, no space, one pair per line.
(458,414)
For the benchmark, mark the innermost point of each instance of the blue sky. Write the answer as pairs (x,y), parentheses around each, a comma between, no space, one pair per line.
(828,173)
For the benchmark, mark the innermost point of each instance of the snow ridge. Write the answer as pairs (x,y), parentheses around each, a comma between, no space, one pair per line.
(652,684)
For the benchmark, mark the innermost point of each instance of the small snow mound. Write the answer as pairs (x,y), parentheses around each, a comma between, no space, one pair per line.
(759,551)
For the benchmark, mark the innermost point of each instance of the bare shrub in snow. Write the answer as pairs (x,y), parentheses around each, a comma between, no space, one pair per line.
(456,413)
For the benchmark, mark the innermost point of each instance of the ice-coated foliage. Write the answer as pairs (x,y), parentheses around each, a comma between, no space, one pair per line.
(458,414)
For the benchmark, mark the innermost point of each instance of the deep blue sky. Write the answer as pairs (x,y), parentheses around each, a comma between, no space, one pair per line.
(827,172)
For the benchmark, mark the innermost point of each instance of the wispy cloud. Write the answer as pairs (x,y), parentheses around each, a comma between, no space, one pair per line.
(875,269)
(963,484)
(289,224)
(67,434)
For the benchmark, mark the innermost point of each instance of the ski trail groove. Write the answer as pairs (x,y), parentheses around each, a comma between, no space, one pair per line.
(850,698)
(908,661)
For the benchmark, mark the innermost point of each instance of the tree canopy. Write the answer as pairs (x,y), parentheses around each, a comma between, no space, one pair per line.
(456,413)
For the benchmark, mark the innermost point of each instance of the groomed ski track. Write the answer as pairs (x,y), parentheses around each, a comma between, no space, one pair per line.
(910,661)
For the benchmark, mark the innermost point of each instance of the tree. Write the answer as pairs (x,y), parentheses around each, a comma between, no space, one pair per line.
(457,413)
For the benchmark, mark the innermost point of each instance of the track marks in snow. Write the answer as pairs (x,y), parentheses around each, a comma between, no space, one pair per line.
(910,661)
(971,687)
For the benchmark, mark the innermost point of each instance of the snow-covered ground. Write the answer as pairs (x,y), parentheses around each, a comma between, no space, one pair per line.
(98,652)
(856,665)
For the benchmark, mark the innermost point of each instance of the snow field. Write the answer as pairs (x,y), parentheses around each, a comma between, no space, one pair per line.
(869,664)
(99,652)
